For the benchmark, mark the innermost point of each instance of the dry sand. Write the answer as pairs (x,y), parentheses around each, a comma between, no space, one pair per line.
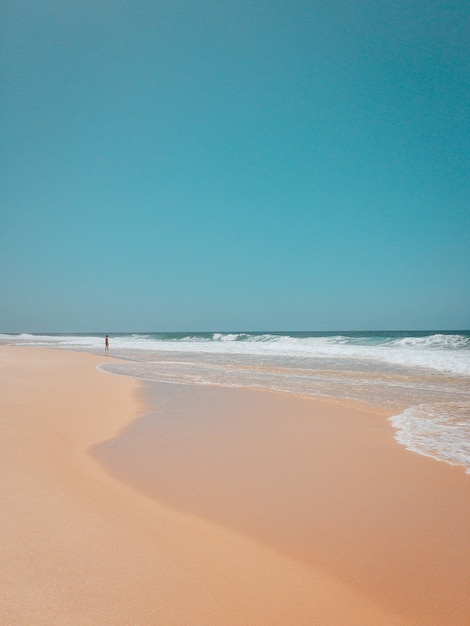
(228,536)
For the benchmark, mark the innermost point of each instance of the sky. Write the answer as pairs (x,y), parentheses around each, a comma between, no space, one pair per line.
(219,165)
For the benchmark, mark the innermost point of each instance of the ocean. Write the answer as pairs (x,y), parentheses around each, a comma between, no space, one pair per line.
(422,378)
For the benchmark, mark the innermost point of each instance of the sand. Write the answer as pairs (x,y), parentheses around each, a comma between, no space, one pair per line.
(260,509)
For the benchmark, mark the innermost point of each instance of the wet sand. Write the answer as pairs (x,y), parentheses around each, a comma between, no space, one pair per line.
(246,507)
(320,482)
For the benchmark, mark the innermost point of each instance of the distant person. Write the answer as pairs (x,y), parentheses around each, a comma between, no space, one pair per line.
(106,343)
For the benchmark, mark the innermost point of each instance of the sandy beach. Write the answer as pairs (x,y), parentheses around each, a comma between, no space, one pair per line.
(223,506)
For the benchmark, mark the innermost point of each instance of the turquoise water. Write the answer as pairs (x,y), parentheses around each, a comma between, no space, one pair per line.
(423,377)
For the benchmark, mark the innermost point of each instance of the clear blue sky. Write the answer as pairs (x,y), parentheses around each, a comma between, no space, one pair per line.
(219,165)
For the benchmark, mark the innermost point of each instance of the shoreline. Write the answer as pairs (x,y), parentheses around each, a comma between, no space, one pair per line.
(83,545)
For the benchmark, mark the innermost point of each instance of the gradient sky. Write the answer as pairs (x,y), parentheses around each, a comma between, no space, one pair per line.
(222,165)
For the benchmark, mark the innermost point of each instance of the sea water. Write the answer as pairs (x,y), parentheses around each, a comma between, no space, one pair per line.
(422,378)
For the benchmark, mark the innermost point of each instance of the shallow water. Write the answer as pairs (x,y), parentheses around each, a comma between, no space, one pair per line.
(423,378)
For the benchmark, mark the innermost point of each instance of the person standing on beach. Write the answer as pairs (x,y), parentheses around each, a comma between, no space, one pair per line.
(106,343)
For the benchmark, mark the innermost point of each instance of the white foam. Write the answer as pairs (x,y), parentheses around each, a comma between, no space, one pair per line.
(433,354)
(436,341)
(443,353)
(440,431)
(60,341)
